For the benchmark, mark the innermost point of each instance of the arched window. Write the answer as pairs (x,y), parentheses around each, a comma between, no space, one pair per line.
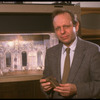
(24,58)
(39,60)
(8,59)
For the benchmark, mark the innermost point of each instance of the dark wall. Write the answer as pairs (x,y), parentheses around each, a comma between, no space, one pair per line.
(25,22)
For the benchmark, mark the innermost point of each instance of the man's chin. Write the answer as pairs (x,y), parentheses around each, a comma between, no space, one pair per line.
(67,43)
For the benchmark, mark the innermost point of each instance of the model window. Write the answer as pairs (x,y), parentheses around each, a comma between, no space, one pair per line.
(8,59)
(24,58)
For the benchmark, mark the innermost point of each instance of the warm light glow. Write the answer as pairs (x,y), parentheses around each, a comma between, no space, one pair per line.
(10,43)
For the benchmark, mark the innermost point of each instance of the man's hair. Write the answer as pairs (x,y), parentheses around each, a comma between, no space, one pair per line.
(61,11)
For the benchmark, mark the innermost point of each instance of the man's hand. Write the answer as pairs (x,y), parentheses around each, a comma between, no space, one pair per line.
(66,89)
(45,85)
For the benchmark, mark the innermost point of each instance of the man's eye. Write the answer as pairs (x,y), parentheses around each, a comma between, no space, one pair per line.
(58,28)
(66,26)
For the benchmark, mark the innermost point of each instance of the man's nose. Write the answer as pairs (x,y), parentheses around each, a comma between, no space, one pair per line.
(62,30)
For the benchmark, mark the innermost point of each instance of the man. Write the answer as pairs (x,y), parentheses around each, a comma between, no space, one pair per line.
(84,75)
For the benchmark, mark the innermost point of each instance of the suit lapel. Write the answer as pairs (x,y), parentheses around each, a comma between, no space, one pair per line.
(58,62)
(78,57)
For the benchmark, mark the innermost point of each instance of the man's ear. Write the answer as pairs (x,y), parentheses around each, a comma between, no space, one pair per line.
(77,26)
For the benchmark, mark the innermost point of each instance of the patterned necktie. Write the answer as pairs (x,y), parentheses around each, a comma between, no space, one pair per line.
(66,66)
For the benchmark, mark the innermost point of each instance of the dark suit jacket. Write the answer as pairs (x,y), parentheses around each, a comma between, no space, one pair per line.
(84,72)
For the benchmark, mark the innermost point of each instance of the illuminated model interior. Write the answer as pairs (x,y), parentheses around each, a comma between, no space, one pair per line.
(24,51)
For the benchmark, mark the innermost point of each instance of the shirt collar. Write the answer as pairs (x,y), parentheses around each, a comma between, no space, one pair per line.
(72,47)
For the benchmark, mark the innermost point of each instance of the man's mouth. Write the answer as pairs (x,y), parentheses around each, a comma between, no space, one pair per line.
(65,37)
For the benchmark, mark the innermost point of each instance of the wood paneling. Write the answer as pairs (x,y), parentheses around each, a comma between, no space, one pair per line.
(21,90)
(91,34)
(89,12)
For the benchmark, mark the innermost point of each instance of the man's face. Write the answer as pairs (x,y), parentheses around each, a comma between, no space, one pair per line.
(64,28)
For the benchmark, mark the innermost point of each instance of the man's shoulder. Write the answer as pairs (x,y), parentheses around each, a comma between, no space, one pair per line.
(56,47)
(89,44)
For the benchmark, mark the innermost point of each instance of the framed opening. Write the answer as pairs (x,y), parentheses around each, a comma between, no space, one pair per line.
(90,22)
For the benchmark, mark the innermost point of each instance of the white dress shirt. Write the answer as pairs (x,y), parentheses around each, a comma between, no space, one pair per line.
(63,54)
